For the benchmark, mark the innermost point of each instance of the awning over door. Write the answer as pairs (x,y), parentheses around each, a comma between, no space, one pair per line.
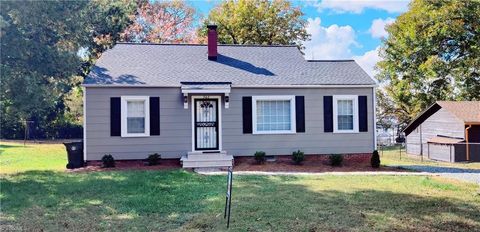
(206,88)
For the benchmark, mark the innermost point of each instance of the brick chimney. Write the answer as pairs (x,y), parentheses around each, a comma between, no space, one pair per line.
(212,42)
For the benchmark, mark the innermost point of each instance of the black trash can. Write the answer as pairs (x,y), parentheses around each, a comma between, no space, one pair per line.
(75,154)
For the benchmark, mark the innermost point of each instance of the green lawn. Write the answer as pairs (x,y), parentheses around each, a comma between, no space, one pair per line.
(15,157)
(391,156)
(52,200)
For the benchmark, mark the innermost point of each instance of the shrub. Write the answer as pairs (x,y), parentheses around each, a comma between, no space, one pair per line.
(375,160)
(108,161)
(153,159)
(260,157)
(335,159)
(298,157)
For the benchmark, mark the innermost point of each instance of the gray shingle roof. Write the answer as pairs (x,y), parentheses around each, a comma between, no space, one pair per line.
(168,65)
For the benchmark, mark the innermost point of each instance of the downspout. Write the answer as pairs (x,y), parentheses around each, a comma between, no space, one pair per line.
(421,140)
(466,139)
(374,118)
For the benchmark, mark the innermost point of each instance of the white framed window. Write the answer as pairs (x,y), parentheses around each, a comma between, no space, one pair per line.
(345,114)
(273,114)
(135,116)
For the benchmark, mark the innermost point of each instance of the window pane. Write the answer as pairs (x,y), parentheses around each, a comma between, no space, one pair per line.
(135,125)
(135,116)
(345,114)
(273,115)
(345,122)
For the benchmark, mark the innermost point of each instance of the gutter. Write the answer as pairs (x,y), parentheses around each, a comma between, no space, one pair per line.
(466,140)
(233,86)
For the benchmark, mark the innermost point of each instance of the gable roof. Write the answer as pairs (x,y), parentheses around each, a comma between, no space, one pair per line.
(464,111)
(130,64)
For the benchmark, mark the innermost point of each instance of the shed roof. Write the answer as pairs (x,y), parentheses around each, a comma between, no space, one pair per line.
(129,64)
(445,140)
(465,111)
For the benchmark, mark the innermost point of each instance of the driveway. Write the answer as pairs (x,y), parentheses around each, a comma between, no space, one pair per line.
(464,174)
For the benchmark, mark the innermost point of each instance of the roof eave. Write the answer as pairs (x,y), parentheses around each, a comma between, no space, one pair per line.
(233,86)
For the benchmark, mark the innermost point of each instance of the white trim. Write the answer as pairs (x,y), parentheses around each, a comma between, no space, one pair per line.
(302,86)
(124,111)
(291,98)
(84,99)
(354,98)
(219,98)
(233,86)
(374,118)
(206,91)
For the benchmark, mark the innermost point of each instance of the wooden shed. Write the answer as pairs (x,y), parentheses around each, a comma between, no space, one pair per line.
(447,131)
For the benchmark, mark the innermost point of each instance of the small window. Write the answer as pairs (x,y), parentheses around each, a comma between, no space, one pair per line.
(135,116)
(273,114)
(345,113)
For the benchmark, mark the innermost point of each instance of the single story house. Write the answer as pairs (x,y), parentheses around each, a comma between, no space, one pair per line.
(208,103)
(446,131)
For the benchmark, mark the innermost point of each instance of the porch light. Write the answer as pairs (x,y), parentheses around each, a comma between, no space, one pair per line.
(227,101)
(185,101)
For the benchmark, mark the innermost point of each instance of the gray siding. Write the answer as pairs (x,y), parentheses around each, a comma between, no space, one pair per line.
(175,137)
(313,141)
(442,152)
(440,123)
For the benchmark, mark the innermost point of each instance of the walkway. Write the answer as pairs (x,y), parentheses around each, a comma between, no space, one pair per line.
(464,174)
(469,175)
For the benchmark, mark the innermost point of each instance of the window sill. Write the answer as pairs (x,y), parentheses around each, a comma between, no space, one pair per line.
(273,132)
(345,132)
(135,135)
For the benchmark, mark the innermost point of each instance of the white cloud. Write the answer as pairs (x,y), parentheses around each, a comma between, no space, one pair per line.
(377,30)
(335,42)
(368,61)
(358,6)
(331,42)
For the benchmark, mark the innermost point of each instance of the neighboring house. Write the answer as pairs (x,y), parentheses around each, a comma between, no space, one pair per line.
(208,103)
(447,131)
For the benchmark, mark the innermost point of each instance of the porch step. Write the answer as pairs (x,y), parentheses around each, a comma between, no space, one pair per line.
(207,153)
(206,164)
(208,157)
(206,160)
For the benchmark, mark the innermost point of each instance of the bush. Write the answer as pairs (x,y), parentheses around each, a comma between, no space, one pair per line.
(260,157)
(298,157)
(336,159)
(153,159)
(108,161)
(375,160)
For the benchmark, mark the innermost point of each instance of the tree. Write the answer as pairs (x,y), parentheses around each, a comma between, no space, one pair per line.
(40,42)
(162,22)
(258,22)
(432,53)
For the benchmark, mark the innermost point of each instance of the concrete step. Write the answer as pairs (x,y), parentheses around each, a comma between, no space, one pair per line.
(208,157)
(206,164)
(206,152)
(205,160)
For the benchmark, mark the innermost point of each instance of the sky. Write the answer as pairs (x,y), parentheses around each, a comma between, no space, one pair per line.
(342,29)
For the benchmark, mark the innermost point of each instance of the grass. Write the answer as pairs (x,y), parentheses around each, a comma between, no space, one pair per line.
(14,157)
(391,156)
(184,201)
(53,200)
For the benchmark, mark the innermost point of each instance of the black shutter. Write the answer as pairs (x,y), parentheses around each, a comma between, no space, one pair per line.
(362,114)
(154,116)
(247,114)
(327,113)
(115,116)
(300,113)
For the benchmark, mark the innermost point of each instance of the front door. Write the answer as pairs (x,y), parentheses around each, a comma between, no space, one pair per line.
(206,124)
